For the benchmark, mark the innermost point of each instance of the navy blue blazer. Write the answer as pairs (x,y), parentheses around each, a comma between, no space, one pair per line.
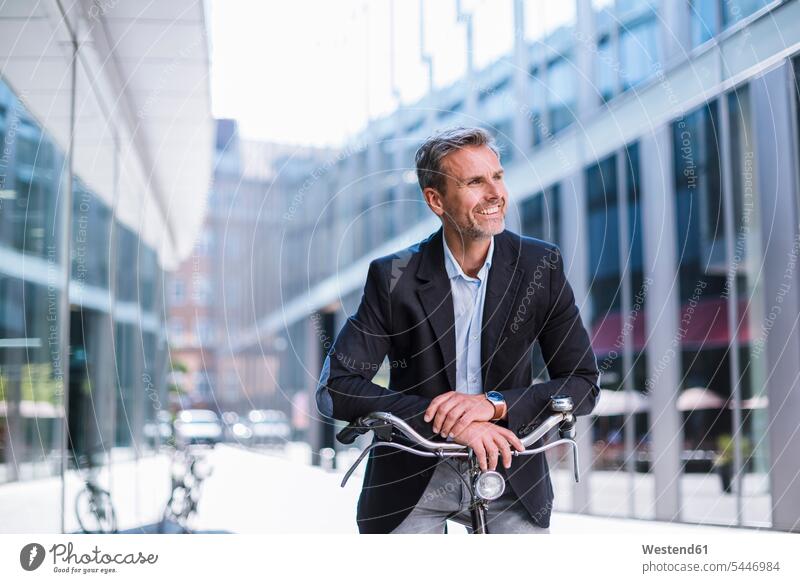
(406,313)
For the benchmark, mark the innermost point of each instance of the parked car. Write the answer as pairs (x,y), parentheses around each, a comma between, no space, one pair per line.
(197,426)
(236,429)
(269,427)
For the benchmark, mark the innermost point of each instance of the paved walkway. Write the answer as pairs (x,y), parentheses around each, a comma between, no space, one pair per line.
(280,495)
(258,492)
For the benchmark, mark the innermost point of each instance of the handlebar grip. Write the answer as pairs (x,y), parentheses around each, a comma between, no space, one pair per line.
(348,434)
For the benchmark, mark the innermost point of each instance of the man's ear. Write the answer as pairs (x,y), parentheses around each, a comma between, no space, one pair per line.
(434,200)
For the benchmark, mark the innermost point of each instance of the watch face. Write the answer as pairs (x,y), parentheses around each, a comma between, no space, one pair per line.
(494,396)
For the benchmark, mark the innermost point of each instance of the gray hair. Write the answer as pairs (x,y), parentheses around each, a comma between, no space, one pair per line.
(436,147)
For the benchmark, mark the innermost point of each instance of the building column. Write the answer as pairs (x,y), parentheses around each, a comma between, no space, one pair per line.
(574,229)
(574,245)
(674,30)
(662,310)
(521,130)
(586,50)
(319,335)
(777,156)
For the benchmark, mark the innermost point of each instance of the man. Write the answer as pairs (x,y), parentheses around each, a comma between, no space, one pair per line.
(457,315)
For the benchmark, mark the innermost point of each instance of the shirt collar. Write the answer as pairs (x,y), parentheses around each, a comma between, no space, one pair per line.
(454,269)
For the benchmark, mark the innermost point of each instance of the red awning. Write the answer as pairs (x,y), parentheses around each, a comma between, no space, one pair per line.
(704,325)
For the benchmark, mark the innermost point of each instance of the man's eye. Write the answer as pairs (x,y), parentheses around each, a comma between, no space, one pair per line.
(474,181)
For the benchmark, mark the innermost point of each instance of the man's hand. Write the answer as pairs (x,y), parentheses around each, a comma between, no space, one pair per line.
(452,412)
(489,441)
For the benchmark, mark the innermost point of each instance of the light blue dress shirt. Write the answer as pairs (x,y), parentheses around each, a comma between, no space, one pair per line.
(469,294)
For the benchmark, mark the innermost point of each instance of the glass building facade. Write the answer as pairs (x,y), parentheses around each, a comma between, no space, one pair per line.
(112,353)
(33,176)
(83,354)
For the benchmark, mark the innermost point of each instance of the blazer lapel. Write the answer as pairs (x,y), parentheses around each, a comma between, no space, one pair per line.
(437,301)
(504,280)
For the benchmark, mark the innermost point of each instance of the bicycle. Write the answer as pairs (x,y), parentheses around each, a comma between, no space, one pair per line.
(94,508)
(482,486)
(185,494)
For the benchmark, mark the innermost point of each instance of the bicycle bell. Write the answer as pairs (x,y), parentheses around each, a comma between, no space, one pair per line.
(561,403)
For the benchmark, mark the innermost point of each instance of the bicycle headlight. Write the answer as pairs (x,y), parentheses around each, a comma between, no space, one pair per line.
(490,485)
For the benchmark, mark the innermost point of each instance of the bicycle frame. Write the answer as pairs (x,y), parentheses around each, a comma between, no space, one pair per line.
(386,425)
(188,482)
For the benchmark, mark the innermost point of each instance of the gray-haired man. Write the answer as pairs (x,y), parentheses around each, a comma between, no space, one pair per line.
(463,314)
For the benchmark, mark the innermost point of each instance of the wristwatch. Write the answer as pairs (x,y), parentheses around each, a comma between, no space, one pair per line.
(499,403)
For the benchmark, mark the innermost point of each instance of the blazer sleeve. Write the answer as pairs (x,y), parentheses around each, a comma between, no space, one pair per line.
(345,390)
(568,354)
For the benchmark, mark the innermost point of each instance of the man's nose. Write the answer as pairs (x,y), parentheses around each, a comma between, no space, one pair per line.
(494,193)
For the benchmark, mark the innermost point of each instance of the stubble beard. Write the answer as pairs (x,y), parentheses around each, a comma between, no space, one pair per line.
(472,230)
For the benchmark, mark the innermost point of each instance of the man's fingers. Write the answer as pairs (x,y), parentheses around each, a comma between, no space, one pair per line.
(456,415)
(441,414)
(505,450)
(491,452)
(512,439)
(480,454)
(430,412)
(462,424)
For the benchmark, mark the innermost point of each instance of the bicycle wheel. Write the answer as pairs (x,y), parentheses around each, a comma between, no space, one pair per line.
(95,512)
(176,509)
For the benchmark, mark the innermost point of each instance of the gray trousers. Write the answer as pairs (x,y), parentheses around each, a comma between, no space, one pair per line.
(447,498)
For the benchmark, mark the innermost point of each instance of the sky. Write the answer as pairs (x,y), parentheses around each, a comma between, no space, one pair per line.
(314,72)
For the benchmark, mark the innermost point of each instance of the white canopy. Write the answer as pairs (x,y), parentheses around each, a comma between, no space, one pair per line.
(619,403)
(142,89)
(697,398)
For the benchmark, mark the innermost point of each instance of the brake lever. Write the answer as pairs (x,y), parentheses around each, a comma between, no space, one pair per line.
(353,467)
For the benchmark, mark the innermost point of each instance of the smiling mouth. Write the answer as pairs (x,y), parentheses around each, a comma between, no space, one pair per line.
(490,211)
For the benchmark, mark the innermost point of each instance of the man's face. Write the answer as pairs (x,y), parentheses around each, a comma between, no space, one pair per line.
(474,196)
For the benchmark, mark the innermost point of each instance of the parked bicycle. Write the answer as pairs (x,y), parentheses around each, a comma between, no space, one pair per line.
(189,470)
(93,506)
(391,431)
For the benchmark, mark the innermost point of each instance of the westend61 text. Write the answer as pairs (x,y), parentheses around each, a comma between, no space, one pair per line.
(673,550)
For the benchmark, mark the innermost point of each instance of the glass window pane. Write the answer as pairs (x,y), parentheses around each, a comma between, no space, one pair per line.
(705,20)
(638,51)
(703,330)
(91,234)
(31,397)
(604,293)
(32,174)
(30,428)
(537,92)
(561,102)
(148,277)
(503,132)
(545,18)
(539,215)
(634,335)
(735,10)
(606,69)
(614,329)
(127,243)
(747,255)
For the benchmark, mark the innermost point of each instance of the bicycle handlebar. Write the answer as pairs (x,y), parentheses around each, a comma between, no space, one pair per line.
(383,424)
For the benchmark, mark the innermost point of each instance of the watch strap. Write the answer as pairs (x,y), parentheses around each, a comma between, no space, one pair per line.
(499,409)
